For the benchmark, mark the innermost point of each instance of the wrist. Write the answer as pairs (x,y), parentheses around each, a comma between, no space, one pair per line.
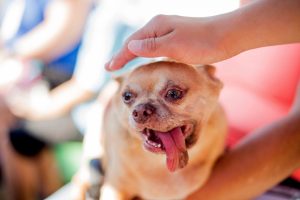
(241,30)
(227,37)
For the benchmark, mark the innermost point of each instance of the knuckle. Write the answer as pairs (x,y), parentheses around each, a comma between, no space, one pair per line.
(150,44)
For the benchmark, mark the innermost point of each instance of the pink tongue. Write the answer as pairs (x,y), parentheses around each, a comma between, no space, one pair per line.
(174,143)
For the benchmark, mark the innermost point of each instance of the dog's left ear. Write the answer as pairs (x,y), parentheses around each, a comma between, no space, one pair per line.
(210,71)
(119,79)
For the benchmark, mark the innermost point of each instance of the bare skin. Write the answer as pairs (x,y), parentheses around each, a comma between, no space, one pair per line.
(58,104)
(216,38)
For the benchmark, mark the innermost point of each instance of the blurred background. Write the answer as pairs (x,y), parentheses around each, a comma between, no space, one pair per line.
(52,56)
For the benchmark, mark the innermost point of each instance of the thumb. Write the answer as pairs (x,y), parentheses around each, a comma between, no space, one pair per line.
(150,47)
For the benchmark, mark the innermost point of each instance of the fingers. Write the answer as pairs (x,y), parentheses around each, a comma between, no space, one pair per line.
(151,47)
(149,41)
(124,55)
(120,59)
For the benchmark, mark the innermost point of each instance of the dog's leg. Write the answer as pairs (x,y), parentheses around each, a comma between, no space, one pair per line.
(87,181)
(87,177)
(109,192)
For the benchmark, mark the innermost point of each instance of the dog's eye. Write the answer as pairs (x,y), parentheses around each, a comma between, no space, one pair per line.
(174,94)
(127,97)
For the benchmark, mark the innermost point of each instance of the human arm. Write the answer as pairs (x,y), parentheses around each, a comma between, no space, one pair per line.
(212,39)
(60,30)
(258,162)
(58,102)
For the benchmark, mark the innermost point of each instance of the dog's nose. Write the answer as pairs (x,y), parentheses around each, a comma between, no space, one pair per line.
(143,112)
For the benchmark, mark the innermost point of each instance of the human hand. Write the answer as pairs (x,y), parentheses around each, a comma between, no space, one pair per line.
(185,39)
(212,39)
(31,106)
(11,73)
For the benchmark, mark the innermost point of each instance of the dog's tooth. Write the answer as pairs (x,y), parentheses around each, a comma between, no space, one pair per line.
(153,143)
(150,142)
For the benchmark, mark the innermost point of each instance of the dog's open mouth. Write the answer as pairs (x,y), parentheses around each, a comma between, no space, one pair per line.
(173,143)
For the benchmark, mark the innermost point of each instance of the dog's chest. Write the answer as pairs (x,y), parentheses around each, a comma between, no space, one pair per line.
(147,174)
(167,187)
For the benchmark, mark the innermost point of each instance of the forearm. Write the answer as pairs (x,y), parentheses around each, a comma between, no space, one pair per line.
(256,164)
(261,23)
(58,102)
(57,33)
(65,97)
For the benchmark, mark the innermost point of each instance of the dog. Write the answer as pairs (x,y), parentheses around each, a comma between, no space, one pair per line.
(163,130)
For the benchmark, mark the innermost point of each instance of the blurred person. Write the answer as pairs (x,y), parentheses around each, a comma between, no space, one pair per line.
(37,30)
(46,31)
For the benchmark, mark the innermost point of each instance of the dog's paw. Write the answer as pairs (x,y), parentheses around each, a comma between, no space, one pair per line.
(80,186)
(87,181)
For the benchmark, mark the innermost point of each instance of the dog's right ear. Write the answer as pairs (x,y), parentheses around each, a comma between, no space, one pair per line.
(210,70)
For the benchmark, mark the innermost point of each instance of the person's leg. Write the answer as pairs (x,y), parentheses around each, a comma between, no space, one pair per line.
(53,131)
(49,175)
(28,155)
(19,173)
(26,152)
(9,159)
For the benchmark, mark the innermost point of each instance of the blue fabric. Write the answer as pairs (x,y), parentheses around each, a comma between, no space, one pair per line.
(33,15)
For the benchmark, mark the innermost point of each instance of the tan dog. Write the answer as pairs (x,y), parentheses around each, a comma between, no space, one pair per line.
(163,131)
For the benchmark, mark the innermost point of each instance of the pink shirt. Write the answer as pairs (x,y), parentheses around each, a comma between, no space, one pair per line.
(259,87)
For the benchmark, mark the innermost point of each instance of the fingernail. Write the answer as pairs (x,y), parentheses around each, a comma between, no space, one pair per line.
(107,65)
(135,45)
(110,64)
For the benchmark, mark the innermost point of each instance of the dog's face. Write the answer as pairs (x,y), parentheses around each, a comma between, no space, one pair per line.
(165,104)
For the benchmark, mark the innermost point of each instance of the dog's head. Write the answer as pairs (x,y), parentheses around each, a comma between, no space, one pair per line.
(165,104)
